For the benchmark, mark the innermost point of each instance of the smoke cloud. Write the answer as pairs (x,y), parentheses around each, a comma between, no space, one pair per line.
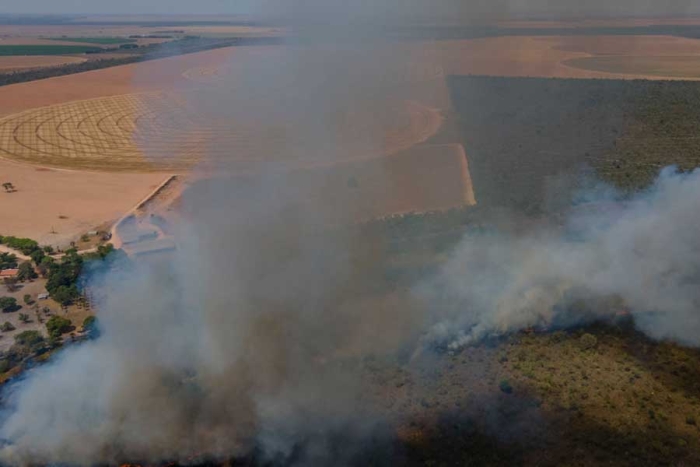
(252,335)
(639,256)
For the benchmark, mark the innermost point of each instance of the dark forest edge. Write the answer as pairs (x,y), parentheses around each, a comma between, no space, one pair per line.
(187,45)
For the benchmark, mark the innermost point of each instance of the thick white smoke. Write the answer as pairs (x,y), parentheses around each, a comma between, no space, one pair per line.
(642,255)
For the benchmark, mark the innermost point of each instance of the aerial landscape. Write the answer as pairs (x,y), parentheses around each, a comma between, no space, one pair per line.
(330,233)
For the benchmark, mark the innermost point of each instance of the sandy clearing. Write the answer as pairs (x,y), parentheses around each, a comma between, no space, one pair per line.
(21,62)
(536,56)
(85,199)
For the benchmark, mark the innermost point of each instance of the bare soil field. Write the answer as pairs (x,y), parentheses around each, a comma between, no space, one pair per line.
(651,46)
(151,132)
(129,119)
(20,62)
(686,67)
(149,76)
(422,179)
(602,23)
(56,207)
(551,56)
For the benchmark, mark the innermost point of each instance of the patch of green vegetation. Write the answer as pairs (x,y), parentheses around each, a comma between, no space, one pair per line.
(57,326)
(8,261)
(24,245)
(95,40)
(8,304)
(11,50)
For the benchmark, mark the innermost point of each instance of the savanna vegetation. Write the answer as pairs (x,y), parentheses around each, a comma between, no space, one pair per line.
(532,142)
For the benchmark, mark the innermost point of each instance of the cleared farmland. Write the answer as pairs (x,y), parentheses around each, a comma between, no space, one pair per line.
(157,131)
(6,50)
(671,67)
(95,40)
(551,56)
(22,62)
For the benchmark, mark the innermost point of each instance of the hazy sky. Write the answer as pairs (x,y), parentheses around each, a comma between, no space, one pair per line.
(539,7)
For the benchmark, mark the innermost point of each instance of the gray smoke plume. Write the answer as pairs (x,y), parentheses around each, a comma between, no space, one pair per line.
(640,256)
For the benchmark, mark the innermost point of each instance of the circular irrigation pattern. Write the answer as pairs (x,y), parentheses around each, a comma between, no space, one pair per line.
(165,132)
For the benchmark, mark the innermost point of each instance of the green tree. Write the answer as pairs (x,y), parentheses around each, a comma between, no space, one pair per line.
(57,325)
(37,256)
(8,261)
(8,304)
(29,338)
(26,272)
(65,295)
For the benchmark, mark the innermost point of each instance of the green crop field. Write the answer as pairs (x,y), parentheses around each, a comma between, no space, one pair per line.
(95,40)
(7,50)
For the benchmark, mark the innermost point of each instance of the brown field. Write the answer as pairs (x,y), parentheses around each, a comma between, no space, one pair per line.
(35,61)
(114,133)
(628,45)
(149,76)
(424,178)
(687,67)
(538,56)
(602,23)
(66,202)
(107,119)
(28,40)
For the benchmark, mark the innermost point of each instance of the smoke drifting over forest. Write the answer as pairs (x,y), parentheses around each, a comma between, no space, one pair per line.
(253,333)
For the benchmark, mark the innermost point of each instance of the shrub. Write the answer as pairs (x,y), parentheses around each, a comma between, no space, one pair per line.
(690,420)
(588,341)
(505,386)
(28,299)
(57,326)
(24,318)
(7,327)
(26,272)
(29,338)
(8,304)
